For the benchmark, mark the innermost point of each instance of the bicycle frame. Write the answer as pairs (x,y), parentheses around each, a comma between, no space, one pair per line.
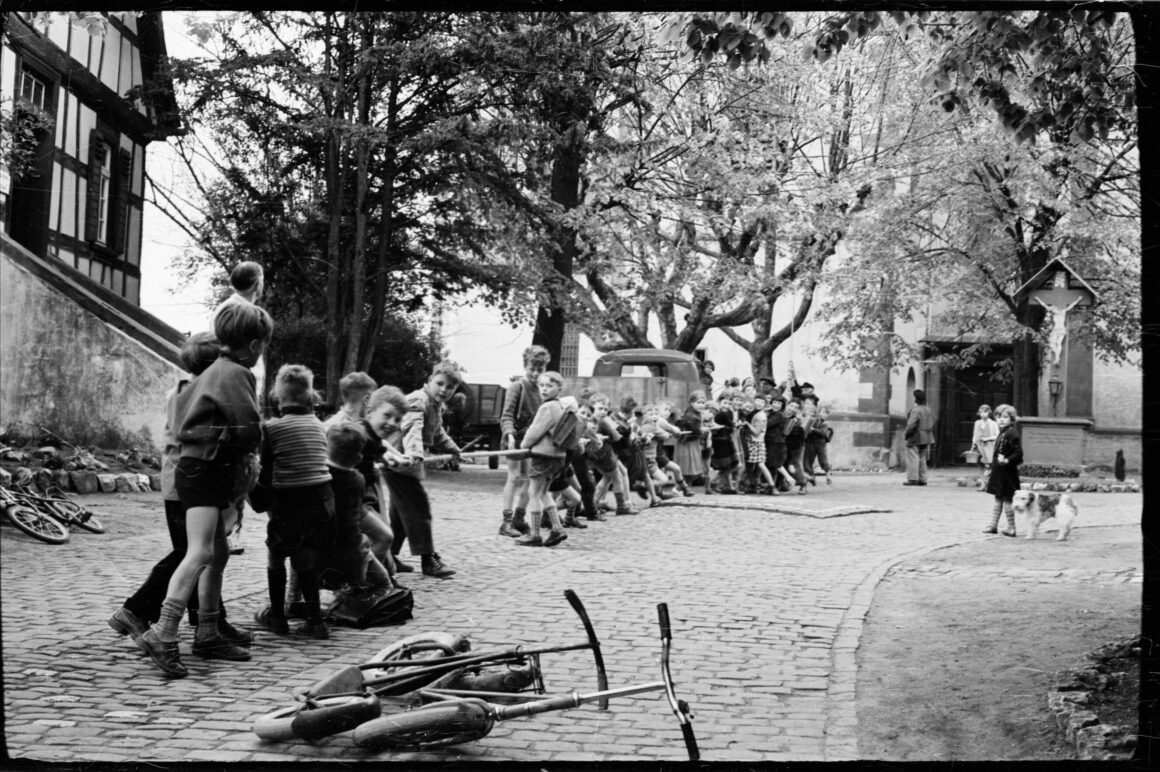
(453,716)
(422,669)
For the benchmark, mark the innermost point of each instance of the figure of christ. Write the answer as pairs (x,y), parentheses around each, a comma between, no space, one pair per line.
(1058,327)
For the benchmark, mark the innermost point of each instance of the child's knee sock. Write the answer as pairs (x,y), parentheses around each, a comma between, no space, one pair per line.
(207,624)
(276,577)
(293,591)
(534,523)
(171,611)
(310,597)
(996,511)
(553,518)
(1010,512)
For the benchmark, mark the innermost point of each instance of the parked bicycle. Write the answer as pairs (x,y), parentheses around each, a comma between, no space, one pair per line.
(58,505)
(443,694)
(31,521)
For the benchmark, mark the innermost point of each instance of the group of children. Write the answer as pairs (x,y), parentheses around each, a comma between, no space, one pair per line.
(742,443)
(321,485)
(758,443)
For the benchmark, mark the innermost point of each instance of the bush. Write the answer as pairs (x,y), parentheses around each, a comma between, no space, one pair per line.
(1043,470)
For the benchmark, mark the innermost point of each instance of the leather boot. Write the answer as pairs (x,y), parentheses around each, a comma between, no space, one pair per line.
(506,528)
(519,523)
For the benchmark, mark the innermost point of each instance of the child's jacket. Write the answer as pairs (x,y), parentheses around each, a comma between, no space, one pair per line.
(219,413)
(423,428)
(1004,478)
(520,404)
(538,437)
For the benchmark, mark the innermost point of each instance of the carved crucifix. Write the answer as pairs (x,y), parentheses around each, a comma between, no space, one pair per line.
(1058,327)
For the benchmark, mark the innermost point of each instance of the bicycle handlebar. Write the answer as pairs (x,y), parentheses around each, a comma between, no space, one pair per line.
(680,707)
(601,674)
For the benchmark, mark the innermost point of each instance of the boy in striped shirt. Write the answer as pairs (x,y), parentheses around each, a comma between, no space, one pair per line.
(302,516)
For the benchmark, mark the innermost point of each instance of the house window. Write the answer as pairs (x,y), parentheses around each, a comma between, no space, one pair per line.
(102,157)
(34,90)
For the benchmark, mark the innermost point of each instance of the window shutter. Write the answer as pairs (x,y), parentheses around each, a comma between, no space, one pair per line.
(92,197)
(120,218)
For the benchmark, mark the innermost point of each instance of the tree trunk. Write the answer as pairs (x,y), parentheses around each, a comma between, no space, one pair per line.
(358,257)
(1025,379)
(386,233)
(334,190)
(550,317)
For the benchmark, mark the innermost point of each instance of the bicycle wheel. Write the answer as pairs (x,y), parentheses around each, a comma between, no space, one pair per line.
(319,718)
(431,726)
(70,513)
(37,525)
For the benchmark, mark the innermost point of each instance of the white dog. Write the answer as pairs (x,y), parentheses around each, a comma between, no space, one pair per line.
(1034,508)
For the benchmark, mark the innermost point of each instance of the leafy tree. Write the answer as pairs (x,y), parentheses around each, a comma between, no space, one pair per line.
(1075,91)
(716,194)
(331,140)
(1053,78)
(545,85)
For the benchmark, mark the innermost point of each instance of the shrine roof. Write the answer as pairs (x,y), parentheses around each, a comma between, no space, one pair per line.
(1054,264)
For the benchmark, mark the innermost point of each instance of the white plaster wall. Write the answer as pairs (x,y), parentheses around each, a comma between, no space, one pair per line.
(1117,395)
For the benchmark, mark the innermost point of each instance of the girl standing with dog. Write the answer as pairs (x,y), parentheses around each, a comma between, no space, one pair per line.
(1003,480)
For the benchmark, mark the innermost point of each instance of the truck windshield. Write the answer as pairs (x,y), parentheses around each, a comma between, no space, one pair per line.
(642,371)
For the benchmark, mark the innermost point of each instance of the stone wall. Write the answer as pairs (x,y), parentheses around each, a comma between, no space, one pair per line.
(864,441)
(1101,446)
(66,370)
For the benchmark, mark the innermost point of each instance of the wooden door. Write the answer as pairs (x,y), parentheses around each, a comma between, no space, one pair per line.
(962,393)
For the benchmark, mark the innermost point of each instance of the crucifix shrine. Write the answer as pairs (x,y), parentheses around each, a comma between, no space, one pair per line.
(1067,362)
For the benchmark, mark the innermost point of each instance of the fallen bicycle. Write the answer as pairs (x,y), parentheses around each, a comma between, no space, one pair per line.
(436,692)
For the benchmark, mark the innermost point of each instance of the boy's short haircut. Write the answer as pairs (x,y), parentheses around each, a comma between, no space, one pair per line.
(1010,411)
(553,376)
(696,395)
(199,352)
(245,275)
(237,324)
(586,393)
(355,385)
(448,370)
(344,443)
(537,355)
(294,383)
(597,397)
(387,395)
(811,398)
(985,407)
(627,404)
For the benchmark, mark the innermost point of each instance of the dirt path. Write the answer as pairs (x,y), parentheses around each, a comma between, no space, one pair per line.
(960,645)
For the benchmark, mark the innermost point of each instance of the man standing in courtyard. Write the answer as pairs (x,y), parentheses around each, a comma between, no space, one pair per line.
(919,435)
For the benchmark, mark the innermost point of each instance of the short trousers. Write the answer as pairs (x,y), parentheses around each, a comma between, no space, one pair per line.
(561,481)
(547,467)
(202,483)
(650,465)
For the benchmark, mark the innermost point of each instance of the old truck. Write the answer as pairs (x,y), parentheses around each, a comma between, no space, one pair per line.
(648,374)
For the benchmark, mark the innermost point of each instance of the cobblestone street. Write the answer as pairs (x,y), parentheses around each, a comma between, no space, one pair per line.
(767,610)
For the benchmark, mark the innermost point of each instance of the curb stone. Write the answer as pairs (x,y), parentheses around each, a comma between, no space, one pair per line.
(1070,701)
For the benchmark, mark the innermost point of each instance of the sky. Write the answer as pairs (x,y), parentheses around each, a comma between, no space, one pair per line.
(163,293)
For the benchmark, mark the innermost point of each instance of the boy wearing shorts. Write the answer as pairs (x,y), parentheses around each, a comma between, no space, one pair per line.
(547,462)
(219,430)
